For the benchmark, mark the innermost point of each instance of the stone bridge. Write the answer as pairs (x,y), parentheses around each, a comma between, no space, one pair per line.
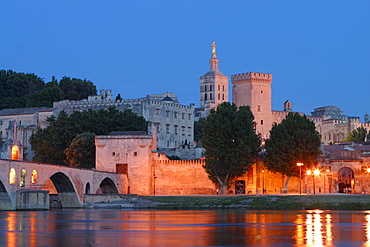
(71,184)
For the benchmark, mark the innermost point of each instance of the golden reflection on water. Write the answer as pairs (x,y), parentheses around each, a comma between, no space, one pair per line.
(186,228)
(314,228)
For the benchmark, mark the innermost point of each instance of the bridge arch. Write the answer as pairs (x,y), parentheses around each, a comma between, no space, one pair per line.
(66,191)
(107,186)
(5,202)
(88,188)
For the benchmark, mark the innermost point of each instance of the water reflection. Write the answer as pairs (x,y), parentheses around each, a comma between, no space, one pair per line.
(185,228)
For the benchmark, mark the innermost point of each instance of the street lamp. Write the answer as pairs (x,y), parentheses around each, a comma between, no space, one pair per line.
(263,181)
(315,172)
(309,173)
(300,177)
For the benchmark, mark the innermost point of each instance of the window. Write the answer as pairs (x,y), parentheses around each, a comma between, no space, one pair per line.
(23,178)
(223,88)
(15,153)
(175,114)
(34,177)
(167,113)
(205,96)
(219,87)
(189,116)
(114,154)
(210,96)
(157,125)
(205,87)
(258,108)
(157,111)
(189,131)
(12,176)
(183,130)
(219,97)
(261,122)
(183,115)
(223,96)
(176,129)
(167,128)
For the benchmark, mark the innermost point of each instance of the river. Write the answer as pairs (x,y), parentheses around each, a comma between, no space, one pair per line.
(184,228)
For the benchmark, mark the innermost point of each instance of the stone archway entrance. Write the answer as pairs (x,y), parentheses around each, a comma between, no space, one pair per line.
(346,180)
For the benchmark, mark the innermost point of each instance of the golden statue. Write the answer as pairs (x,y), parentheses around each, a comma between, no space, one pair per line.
(214,49)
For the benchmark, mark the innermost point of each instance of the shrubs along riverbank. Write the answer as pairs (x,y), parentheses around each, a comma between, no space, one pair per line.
(267,202)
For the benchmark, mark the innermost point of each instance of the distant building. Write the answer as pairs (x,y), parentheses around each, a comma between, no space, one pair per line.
(16,127)
(172,121)
(214,87)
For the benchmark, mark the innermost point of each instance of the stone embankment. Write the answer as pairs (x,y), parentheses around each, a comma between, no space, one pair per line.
(250,202)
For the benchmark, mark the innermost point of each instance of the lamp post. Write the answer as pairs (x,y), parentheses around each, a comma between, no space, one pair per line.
(300,177)
(263,181)
(309,172)
(315,172)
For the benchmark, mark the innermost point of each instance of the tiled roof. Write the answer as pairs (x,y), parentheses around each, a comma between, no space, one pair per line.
(22,111)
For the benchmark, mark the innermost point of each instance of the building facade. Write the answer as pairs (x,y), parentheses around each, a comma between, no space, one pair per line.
(172,121)
(214,87)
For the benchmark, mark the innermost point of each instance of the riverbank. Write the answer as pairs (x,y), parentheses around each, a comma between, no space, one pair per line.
(257,202)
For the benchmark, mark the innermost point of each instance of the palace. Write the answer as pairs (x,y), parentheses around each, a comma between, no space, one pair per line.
(142,157)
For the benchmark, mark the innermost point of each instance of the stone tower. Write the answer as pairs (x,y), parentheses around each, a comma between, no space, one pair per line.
(213,85)
(254,89)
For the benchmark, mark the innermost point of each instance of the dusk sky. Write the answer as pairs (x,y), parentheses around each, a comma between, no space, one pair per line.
(317,51)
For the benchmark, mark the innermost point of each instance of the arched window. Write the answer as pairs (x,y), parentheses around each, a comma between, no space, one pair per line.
(23,177)
(34,177)
(219,97)
(15,152)
(12,176)
(223,97)
(210,96)
(205,96)
(205,87)
(219,87)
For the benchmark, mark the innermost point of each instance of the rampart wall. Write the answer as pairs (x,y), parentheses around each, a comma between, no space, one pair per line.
(181,177)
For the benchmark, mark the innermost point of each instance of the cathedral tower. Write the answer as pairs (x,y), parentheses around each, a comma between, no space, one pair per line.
(213,85)
(254,89)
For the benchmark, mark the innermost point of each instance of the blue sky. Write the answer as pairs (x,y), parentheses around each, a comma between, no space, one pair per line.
(318,51)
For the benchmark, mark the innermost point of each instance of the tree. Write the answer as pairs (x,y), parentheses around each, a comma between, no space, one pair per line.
(49,144)
(81,151)
(45,97)
(294,140)
(357,135)
(76,89)
(198,129)
(230,142)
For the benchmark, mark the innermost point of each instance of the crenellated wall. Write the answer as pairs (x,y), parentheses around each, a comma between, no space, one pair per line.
(181,177)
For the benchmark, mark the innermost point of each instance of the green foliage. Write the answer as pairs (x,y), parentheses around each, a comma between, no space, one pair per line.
(81,151)
(294,140)
(198,129)
(357,135)
(50,143)
(76,89)
(20,90)
(230,142)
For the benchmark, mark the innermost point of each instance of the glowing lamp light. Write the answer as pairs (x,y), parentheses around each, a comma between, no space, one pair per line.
(316,172)
(309,172)
(368,170)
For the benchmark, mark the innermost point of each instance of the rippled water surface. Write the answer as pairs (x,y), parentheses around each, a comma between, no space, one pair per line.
(184,228)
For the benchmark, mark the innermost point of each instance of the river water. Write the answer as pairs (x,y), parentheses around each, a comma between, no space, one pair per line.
(184,228)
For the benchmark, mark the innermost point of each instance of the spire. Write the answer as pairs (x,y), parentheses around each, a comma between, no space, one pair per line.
(213,62)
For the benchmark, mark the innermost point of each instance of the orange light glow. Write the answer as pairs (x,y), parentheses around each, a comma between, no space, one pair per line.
(12,176)
(15,152)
